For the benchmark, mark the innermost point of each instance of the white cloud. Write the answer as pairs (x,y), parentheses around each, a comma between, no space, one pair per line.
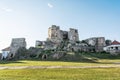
(50,5)
(6,9)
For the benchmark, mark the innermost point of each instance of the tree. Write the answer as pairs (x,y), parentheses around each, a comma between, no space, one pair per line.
(108,42)
(83,41)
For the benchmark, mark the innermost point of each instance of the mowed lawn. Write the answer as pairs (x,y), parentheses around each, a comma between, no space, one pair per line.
(61,74)
(64,73)
(101,62)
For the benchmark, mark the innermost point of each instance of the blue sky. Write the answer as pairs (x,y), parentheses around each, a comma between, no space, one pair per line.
(31,18)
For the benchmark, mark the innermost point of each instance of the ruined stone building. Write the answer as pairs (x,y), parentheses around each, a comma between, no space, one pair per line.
(54,34)
(97,42)
(46,45)
(15,45)
(57,35)
(73,35)
(58,39)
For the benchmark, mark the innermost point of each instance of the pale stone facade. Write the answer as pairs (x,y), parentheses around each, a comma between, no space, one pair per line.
(73,35)
(57,35)
(100,41)
(97,42)
(15,45)
(59,39)
(46,45)
(54,34)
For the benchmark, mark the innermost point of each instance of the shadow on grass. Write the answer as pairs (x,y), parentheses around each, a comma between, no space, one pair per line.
(101,55)
(10,62)
(68,58)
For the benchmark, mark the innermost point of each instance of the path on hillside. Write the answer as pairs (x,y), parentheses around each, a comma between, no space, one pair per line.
(54,67)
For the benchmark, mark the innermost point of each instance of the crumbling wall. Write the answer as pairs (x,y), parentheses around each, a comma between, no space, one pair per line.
(97,42)
(54,34)
(73,35)
(57,35)
(15,45)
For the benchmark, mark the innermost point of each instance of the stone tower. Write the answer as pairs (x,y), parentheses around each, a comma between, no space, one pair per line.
(101,41)
(54,34)
(73,35)
(15,45)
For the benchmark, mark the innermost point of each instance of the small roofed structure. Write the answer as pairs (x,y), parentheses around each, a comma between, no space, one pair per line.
(115,43)
(5,53)
(114,48)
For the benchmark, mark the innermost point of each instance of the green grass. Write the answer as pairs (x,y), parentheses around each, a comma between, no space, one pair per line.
(61,74)
(101,62)
(65,74)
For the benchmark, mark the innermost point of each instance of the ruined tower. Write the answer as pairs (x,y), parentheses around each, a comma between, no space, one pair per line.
(15,45)
(54,34)
(73,35)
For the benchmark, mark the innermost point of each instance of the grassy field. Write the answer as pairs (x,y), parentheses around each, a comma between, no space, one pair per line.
(65,74)
(101,62)
(61,74)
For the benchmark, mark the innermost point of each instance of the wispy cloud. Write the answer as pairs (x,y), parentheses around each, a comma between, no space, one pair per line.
(6,9)
(50,5)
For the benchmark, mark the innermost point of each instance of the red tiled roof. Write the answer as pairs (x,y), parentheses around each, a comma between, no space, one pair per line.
(115,43)
(6,49)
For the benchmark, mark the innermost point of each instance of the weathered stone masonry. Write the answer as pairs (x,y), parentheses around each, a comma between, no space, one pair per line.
(57,35)
(15,45)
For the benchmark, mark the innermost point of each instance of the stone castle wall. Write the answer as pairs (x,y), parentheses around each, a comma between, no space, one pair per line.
(57,35)
(97,42)
(73,35)
(15,45)
(54,34)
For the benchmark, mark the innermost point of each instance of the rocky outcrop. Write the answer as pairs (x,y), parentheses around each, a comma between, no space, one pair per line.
(58,55)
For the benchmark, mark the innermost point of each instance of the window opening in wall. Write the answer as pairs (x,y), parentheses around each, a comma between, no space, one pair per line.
(111,47)
(116,48)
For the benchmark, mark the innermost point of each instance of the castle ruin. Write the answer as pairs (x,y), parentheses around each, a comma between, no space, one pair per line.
(15,45)
(69,40)
(97,42)
(56,35)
